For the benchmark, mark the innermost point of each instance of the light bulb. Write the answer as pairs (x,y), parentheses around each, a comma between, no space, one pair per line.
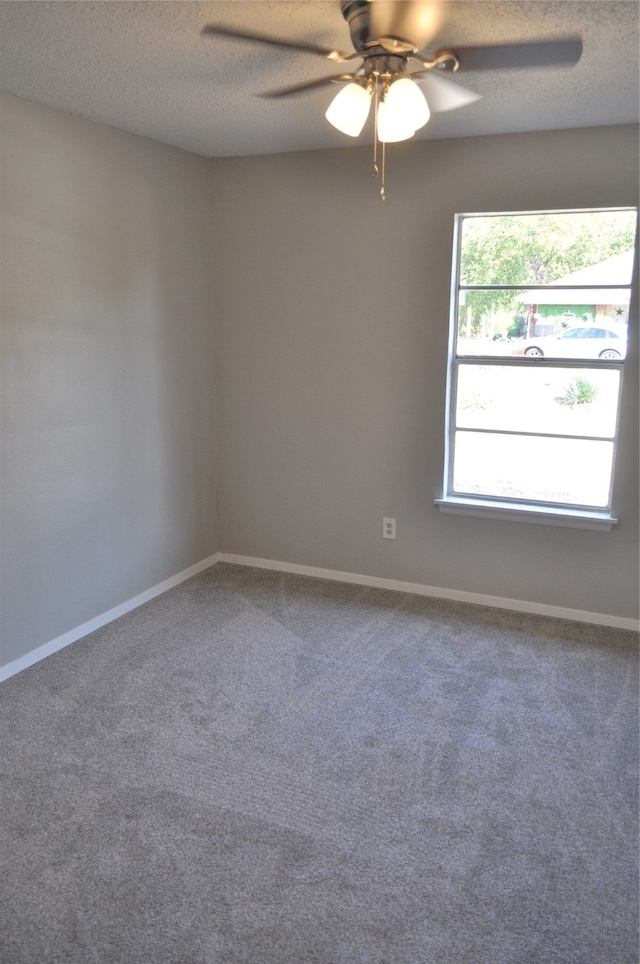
(408,104)
(349,109)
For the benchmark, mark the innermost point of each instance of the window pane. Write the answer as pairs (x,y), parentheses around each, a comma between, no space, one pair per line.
(489,322)
(542,249)
(501,322)
(555,401)
(573,471)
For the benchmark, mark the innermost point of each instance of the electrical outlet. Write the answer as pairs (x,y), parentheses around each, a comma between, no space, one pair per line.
(388,528)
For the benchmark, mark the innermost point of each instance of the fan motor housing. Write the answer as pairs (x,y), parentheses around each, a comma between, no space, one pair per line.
(357,15)
(397,26)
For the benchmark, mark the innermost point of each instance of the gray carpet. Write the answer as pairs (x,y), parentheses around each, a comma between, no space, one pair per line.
(259,768)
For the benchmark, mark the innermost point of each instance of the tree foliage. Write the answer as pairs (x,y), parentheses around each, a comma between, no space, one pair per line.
(535,249)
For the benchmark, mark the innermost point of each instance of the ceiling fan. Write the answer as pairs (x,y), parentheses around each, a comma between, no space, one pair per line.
(388,37)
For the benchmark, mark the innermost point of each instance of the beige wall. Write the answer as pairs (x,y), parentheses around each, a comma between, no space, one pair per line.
(333,312)
(108,441)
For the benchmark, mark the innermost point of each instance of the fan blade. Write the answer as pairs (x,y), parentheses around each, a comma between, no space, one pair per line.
(441,93)
(303,88)
(220,30)
(544,53)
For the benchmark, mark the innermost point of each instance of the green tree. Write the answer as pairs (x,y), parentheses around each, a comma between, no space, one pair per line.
(532,249)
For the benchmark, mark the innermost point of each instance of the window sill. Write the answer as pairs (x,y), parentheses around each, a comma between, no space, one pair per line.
(539,515)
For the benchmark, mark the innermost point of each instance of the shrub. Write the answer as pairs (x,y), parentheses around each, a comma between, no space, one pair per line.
(579,392)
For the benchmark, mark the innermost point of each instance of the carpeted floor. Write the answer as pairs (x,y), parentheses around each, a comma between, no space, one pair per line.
(259,768)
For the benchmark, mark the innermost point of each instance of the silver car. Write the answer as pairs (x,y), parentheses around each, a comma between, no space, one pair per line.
(581,341)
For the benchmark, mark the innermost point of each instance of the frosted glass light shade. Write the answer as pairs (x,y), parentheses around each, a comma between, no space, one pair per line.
(349,109)
(392,126)
(408,103)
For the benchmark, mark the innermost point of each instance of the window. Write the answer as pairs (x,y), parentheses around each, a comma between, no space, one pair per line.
(540,312)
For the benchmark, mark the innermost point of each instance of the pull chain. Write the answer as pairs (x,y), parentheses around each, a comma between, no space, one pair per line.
(375,171)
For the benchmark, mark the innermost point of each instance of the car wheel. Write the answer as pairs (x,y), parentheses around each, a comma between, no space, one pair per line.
(534,353)
(609,354)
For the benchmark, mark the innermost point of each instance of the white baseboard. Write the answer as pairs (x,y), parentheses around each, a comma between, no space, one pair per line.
(479,599)
(35,655)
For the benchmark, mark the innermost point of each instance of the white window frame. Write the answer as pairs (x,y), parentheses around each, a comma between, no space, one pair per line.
(513,509)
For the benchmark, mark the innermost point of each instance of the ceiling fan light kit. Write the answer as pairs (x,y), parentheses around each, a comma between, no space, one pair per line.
(387,36)
(400,106)
(402,110)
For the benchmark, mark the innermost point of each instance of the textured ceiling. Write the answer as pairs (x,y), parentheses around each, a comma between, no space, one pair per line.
(144,67)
